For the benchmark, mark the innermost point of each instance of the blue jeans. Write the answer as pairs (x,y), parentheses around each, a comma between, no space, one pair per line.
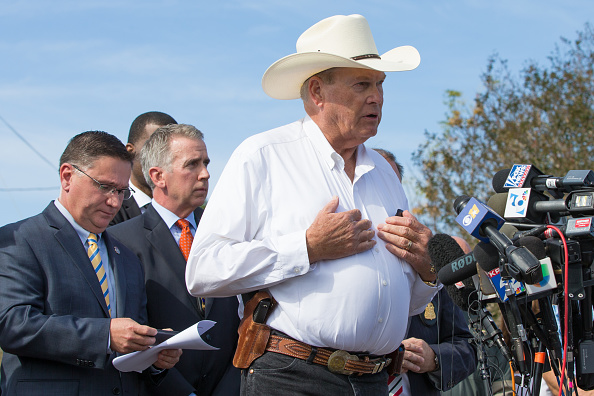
(277,374)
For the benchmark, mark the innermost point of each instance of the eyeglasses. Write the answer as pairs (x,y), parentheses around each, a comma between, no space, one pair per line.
(107,188)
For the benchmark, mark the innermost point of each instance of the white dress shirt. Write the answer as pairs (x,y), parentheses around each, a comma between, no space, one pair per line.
(252,236)
(140,197)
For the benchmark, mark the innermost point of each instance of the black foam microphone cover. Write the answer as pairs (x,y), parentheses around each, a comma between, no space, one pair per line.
(443,249)
(535,245)
(487,256)
(499,180)
(461,296)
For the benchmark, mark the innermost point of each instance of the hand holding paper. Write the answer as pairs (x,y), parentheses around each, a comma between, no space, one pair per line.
(190,338)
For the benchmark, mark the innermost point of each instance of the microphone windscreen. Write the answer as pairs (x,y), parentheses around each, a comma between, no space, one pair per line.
(460,203)
(499,180)
(497,202)
(443,249)
(535,245)
(508,230)
(461,296)
(487,256)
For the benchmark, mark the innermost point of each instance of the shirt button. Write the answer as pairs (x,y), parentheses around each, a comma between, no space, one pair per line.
(384,283)
(376,250)
(380,320)
(297,270)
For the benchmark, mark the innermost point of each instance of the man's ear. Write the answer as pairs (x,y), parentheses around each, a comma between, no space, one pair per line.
(315,92)
(157,176)
(130,147)
(66,174)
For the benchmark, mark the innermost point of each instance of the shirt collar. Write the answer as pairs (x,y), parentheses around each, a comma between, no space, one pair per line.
(82,233)
(330,156)
(139,196)
(169,217)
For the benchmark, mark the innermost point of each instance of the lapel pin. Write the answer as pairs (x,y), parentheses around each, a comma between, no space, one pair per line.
(117,250)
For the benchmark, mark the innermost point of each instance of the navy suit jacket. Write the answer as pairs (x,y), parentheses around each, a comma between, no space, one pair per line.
(128,211)
(171,306)
(54,324)
(448,336)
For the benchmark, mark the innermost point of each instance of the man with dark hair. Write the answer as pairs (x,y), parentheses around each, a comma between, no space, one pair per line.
(141,129)
(72,297)
(174,161)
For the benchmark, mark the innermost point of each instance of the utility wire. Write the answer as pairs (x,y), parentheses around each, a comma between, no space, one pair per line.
(28,189)
(28,144)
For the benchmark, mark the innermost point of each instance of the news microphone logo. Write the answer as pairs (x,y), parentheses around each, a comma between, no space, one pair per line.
(548,281)
(476,213)
(499,284)
(517,202)
(517,176)
(470,216)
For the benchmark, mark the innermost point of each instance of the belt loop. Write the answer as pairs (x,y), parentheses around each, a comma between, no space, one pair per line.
(312,355)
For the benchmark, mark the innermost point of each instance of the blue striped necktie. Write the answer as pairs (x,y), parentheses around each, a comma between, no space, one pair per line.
(95,258)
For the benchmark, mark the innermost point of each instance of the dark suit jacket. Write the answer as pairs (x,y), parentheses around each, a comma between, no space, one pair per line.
(54,324)
(448,336)
(170,305)
(128,211)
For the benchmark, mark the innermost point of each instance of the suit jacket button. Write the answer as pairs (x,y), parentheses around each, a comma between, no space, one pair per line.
(91,364)
(115,391)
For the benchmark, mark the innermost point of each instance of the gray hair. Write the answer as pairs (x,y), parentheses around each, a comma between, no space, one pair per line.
(327,76)
(156,152)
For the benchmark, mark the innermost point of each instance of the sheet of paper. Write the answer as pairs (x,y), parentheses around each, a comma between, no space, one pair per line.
(190,338)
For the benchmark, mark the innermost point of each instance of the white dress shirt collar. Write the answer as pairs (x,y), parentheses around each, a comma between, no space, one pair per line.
(139,196)
(330,156)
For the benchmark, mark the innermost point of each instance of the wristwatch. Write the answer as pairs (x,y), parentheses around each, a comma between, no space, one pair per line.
(431,284)
(436,363)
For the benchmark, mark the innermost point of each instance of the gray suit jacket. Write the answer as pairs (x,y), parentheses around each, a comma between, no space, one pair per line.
(171,306)
(54,324)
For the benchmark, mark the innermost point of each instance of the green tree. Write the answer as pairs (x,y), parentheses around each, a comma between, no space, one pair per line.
(545,117)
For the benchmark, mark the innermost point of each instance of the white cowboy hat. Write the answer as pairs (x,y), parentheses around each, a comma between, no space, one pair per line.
(338,41)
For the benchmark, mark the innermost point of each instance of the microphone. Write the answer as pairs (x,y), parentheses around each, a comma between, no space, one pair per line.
(499,180)
(485,327)
(443,251)
(497,202)
(458,270)
(483,223)
(521,175)
(479,220)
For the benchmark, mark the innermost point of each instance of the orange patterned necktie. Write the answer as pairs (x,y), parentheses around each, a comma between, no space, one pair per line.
(186,238)
(185,244)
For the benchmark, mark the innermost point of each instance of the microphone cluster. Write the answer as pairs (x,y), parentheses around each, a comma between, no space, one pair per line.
(536,244)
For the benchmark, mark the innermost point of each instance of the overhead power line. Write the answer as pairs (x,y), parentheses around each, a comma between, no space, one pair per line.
(28,144)
(28,189)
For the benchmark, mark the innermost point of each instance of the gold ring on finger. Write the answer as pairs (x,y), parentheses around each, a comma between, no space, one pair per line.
(408,245)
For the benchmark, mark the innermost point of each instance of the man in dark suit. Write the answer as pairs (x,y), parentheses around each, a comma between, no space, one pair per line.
(72,297)
(438,354)
(141,129)
(174,160)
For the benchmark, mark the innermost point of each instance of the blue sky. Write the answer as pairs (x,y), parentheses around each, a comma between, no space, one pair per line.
(67,66)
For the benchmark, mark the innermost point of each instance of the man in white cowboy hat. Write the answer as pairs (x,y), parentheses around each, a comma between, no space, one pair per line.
(307,213)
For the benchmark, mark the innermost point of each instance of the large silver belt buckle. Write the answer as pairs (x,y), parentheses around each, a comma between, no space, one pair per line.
(337,361)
